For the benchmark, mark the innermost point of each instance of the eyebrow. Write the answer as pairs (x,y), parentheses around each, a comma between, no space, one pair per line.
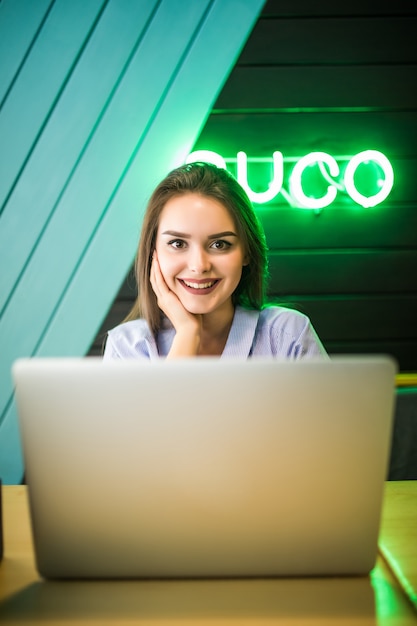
(174,233)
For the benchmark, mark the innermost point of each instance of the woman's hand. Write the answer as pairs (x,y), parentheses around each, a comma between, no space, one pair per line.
(186,324)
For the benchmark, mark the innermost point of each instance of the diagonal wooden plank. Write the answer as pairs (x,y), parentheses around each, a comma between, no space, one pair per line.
(17,35)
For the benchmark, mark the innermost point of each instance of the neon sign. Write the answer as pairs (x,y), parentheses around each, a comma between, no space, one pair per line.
(367,177)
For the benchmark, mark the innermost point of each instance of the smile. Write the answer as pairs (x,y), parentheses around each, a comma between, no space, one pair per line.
(199,287)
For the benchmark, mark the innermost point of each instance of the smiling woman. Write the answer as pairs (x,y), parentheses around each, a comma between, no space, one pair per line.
(201,270)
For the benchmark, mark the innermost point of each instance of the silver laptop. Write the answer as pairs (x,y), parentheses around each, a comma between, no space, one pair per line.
(205,467)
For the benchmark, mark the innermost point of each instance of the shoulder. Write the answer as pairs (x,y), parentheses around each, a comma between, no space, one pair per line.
(130,339)
(282,317)
(273,313)
(288,332)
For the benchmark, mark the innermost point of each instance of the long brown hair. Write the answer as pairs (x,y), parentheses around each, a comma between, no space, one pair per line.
(210,181)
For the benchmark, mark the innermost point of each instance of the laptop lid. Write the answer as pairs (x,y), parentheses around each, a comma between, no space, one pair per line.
(205,467)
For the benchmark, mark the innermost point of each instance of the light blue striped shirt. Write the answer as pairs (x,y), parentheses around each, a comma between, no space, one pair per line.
(274,331)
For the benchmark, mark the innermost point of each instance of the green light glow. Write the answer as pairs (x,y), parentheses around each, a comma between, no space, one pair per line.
(315,179)
(207,156)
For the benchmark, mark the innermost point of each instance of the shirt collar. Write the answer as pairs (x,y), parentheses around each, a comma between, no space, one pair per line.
(242,333)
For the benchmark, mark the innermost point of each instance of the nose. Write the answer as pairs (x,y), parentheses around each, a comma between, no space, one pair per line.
(199,261)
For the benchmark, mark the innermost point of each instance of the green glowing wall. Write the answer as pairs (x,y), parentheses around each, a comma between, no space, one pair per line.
(98,100)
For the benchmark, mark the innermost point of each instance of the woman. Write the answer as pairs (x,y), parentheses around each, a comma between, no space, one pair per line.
(201,270)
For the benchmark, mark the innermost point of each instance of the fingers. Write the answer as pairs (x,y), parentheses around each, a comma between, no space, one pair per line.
(165,297)
(167,300)
(158,283)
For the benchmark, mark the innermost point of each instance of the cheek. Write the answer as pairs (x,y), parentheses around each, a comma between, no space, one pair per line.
(168,264)
(237,277)
(235,267)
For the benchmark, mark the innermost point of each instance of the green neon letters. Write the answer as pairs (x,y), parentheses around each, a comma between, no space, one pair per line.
(368,165)
(385,185)
(274,187)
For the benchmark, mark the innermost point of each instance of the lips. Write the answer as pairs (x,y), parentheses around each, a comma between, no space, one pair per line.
(199,287)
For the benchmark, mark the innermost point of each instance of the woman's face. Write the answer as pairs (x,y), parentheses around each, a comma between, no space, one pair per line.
(199,252)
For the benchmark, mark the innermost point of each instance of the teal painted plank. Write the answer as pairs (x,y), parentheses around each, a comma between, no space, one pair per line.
(11,455)
(19,22)
(66,323)
(68,131)
(39,82)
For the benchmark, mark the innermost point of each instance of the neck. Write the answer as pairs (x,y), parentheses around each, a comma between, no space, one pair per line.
(215,328)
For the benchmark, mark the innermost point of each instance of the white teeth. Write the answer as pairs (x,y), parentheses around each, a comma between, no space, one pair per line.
(199,285)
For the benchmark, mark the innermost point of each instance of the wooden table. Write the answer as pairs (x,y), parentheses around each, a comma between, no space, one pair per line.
(398,535)
(386,597)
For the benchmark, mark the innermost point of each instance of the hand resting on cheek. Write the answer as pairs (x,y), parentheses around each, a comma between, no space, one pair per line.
(186,324)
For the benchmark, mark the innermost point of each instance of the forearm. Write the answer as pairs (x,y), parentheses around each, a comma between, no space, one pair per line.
(185,344)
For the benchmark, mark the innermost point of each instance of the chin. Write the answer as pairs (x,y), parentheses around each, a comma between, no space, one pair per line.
(197,309)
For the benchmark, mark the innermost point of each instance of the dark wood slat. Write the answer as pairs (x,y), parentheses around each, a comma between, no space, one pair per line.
(334,227)
(115,316)
(128,288)
(403,351)
(343,272)
(316,41)
(301,8)
(344,86)
(359,319)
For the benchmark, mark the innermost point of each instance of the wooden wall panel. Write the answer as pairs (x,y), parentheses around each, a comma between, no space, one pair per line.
(308,41)
(364,319)
(102,104)
(342,271)
(340,227)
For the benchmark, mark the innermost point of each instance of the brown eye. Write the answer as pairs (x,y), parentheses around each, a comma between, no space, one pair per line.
(178,244)
(220,244)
